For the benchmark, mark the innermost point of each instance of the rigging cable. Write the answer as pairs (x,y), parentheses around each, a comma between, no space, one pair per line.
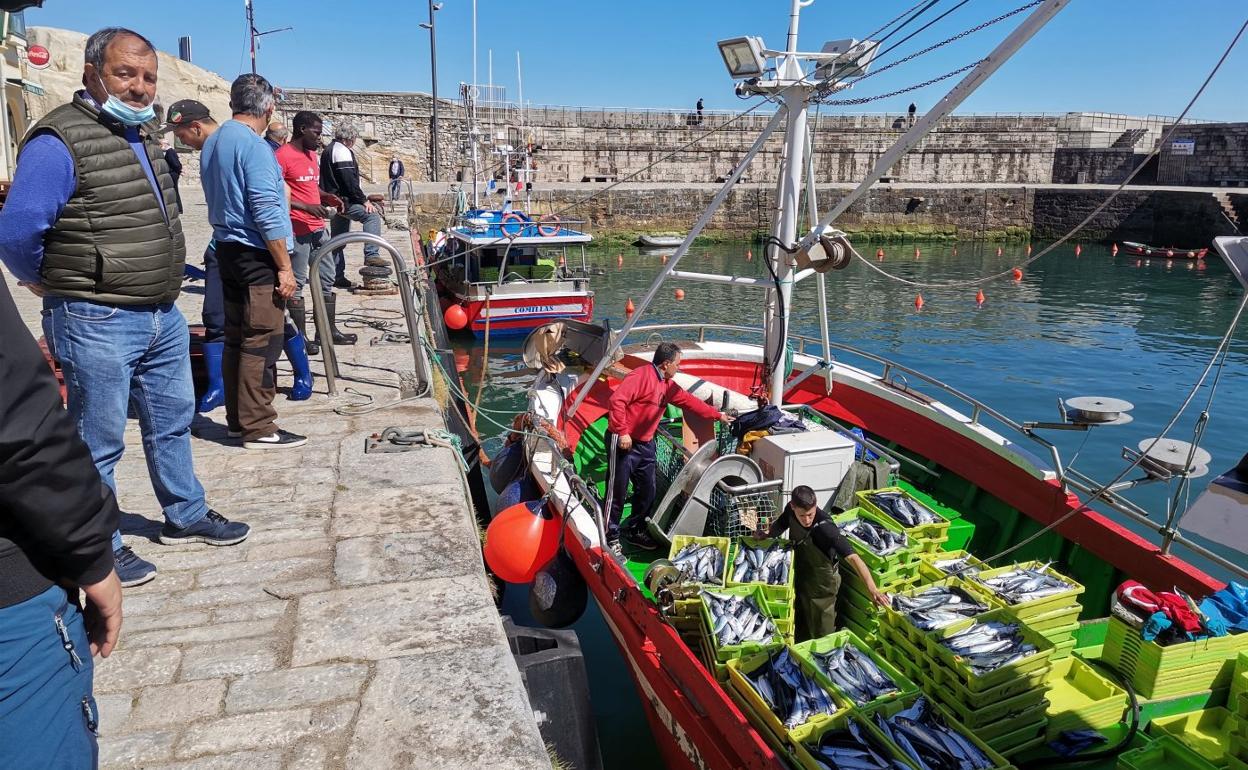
(1095,212)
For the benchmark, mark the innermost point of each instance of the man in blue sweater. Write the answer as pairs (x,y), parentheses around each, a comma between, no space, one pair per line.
(250,218)
(91,225)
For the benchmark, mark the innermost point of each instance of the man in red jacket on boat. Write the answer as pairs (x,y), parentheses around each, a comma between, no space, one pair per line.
(633,417)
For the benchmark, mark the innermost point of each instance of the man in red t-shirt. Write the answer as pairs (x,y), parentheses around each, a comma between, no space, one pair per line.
(633,416)
(300,164)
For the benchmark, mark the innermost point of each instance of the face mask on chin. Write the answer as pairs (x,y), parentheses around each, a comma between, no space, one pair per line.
(124,113)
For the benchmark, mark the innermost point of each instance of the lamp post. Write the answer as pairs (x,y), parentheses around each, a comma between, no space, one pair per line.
(433,66)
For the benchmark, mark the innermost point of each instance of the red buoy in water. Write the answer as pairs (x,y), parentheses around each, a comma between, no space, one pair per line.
(1017,274)
(999,251)
(917,252)
(749,254)
(680,294)
(521,540)
(979,297)
(1078,249)
(918,302)
(1113,251)
(1169,252)
(455,317)
(879,254)
(619,260)
(628,307)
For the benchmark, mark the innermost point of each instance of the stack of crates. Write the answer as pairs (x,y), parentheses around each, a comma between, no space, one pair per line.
(1207,732)
(741,689)
(1237,704)
(902,641)
(930,573)
(809,650)
(717,656)
(687,617)
(895,572)
(1163,754)
(1056,617)
(779,598)
(927,538)
(1158,672)
(1006,707)
(1081,698)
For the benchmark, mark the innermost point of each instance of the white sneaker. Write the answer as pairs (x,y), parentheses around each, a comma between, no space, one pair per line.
(281,439)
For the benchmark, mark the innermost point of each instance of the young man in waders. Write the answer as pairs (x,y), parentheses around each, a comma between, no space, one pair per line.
(818,548)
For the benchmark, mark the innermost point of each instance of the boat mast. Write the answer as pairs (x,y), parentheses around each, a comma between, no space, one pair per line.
(791,77)
(473,132)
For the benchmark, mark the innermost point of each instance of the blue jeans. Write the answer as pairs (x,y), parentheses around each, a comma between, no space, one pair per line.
(301,257)
(396,188)
(117,356)
(341,223)
(635,465)
(48,716)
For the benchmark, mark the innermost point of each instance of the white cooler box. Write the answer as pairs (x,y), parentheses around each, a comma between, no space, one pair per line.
(817,458)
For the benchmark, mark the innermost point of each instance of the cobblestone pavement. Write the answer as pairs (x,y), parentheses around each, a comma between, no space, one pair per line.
(353,628)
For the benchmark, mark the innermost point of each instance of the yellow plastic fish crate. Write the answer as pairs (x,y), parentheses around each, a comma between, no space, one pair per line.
(891,709)
(897,578)
(1019,741)
(722,543)
(739,670)
(1241,709)
(774,593)
(916,635)
(724,653)
(1159,672)
(1036,662)
(903,555)
(928,536)
(804,748)
(1049,604)
(929,573)
(808,649)
(1207,732)
(1239,681)
(1165,753)
(1016,710)
(1081,698)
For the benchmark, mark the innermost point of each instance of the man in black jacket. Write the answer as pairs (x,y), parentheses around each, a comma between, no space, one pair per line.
(396,177)
(56,523)
(341,176)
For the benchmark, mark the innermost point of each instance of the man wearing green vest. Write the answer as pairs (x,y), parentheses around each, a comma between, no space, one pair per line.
(91,225)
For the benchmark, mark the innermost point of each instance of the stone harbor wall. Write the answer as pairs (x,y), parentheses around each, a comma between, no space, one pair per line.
(1219,156)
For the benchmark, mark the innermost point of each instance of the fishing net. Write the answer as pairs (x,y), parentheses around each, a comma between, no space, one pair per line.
(669,459)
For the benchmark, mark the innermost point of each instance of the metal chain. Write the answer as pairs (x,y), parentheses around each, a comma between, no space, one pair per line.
(898,92)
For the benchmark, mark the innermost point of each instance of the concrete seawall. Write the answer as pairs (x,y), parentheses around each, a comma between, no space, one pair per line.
(1149,214)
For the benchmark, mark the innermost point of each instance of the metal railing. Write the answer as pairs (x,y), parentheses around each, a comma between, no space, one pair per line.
(1067,477)
(321,315)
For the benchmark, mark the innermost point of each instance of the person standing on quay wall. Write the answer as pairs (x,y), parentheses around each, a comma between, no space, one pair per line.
(91,225)
(341,176)
(250,220)
(56,525)
(396,172)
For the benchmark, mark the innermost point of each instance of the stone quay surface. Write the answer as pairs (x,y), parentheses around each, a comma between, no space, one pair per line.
(353,628)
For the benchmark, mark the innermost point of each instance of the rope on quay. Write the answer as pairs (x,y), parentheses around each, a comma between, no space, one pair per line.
(1095,212)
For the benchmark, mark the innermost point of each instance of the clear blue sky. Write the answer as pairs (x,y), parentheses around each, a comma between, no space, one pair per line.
(1132,56)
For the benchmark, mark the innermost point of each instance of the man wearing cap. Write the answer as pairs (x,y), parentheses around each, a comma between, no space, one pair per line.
(192,124)
(91,225)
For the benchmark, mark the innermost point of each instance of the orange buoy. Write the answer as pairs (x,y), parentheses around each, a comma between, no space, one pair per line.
(1169,252)
(1078,249)
(879,254)
(563,261)
(455,317)
(749,254)
(955,251)
(680,294)
(628,307)
(521,540)
(1017,274)
(1029,249)
(918,302)
(979,297)
(619,260)
(999,251)
(917,252)
(1113,250)
(663,258)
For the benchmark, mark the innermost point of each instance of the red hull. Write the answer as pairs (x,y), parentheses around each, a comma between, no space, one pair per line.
(695,722)
(522,315)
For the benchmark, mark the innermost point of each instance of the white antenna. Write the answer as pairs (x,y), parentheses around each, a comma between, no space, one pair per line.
(520,87)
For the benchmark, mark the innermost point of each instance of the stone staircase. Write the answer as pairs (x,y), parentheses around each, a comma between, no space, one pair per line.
(1130,138)
(1235,208)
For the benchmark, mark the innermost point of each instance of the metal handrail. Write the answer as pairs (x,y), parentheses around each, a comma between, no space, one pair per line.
(321,315)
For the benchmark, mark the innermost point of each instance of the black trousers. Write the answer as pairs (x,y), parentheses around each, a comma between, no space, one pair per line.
(636,466)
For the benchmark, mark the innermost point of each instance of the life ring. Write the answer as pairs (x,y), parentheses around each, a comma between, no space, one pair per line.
(512,216)
(548,227)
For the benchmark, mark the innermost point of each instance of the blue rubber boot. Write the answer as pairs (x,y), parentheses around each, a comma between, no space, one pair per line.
(214,394)
(297,354)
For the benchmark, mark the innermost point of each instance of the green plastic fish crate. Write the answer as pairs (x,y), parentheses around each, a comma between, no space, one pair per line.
(1004,710)
(1237,747)
(917,635)
(1047,605)
(1081,698)
(883,564)
(1239,680)
(739,670)
(722,543)
(1037,661)
(928,572)
(724,653)
(897,578)
(891,709)
(1165,753)
(902,653)
(1159,672)
(1241,706)
(961,531)
(1206,732)
(1065,619)
(774,593)
(1018,739)
(868,632)
(929,536)
(810,738)
(808,649)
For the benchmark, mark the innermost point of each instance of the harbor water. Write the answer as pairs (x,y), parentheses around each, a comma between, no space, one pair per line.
(1088,325)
